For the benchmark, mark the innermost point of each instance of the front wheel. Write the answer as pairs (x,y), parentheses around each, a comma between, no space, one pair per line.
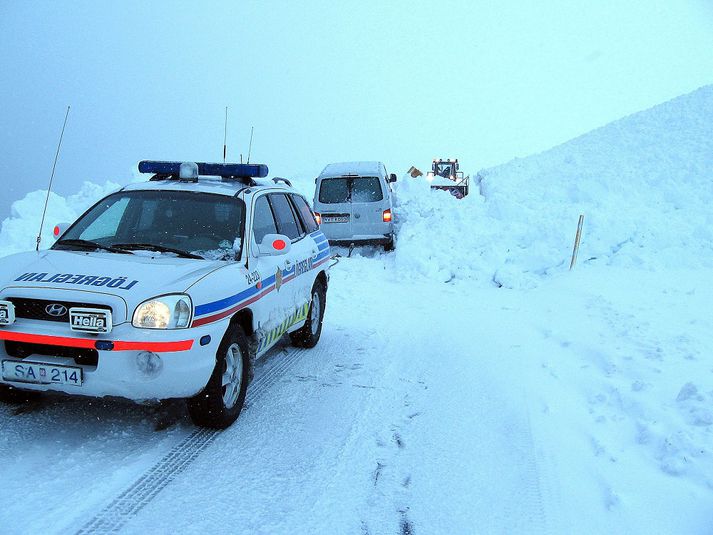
(308,335)
(221,401)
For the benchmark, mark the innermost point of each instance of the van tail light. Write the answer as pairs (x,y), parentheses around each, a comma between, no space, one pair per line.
(387,216)
(318,218)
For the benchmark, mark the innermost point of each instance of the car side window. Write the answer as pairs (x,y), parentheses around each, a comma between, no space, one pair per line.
(305,213)
(286,222)
(263,220)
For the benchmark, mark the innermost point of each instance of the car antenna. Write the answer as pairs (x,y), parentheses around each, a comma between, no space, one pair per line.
(225,135)
(49,188)
(250,147)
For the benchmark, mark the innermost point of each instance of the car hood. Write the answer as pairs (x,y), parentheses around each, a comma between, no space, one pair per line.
(131,277)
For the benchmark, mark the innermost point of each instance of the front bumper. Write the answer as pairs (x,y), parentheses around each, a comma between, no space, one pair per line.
(113,368)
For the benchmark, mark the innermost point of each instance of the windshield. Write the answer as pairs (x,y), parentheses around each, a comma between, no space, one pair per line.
(202,224)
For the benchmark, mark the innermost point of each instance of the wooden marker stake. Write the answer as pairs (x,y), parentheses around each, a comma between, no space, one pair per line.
(576,242)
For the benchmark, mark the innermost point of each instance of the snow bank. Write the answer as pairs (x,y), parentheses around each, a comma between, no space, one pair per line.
(18,232)
(643,184)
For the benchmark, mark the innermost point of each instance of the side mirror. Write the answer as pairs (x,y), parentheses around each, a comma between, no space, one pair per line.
(392,177)
(274,245)
(59,229)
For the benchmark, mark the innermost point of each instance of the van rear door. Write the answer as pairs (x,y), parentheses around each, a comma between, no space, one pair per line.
(335,208)
(368,204)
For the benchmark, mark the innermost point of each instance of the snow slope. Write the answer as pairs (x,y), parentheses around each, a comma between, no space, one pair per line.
(643,184)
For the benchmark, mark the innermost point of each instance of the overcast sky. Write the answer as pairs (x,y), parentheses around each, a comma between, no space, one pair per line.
(401,82)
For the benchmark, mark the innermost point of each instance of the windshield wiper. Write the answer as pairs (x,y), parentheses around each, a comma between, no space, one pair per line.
(154,247)
(86,244)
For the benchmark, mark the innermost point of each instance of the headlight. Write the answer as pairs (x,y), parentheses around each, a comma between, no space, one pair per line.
(166,312)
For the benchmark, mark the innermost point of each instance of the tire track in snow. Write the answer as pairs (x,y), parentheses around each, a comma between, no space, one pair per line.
(527,504)
(125,506)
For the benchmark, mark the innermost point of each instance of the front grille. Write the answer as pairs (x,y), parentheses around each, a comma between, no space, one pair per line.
(37,309)
(81,356)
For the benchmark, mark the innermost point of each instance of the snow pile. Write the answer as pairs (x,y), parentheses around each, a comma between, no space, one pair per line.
(643,184)
(19,231)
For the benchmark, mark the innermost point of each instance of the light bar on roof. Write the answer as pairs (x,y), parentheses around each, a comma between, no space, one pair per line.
(225,170)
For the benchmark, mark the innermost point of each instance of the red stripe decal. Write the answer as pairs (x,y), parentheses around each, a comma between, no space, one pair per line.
(156,347)
(232,310)
(239,306)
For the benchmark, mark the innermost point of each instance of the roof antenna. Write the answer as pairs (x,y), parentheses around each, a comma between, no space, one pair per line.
(49,188)
(225,135)
(250,148)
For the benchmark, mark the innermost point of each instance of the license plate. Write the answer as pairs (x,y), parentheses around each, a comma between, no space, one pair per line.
(338,219)
(41,374)
(7,313)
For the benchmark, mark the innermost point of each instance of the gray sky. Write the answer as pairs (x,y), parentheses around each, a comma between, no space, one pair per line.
(401,82)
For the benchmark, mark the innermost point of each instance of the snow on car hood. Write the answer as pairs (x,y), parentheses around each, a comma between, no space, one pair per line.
(132,277)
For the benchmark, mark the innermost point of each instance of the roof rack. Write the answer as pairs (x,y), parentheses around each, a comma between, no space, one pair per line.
(279,179)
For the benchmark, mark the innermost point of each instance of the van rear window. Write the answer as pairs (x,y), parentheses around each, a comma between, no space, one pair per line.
(366,190)
(357,189)
(334,190)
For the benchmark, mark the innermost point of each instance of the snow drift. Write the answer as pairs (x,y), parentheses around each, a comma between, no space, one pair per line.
(643,184)
(19,231)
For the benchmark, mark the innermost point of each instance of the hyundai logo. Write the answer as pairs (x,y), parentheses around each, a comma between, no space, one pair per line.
(56,310)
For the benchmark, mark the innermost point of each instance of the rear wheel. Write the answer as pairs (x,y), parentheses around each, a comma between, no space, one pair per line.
(390,245)
(308,335)
(221,401)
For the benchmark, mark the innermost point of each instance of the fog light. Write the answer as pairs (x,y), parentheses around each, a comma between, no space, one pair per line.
(150,364)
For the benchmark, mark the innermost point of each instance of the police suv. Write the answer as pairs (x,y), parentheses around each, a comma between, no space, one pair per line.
(167,289)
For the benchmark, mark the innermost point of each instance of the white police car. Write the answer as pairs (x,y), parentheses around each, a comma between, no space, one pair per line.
(167,289)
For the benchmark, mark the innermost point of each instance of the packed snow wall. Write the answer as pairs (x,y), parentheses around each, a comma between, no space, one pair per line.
(18,232)
(644,184)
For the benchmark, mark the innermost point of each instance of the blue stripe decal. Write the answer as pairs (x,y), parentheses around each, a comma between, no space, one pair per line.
(225,303)
(215,306)
(321,256)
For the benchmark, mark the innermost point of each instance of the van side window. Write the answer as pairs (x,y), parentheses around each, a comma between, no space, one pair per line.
(263,220)
(366,190)
(305,213)
(286,222)
(334,190)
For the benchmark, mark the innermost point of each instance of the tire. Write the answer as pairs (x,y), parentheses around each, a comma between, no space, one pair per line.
(218,405)
(390,245)
(308,335)
(10,394)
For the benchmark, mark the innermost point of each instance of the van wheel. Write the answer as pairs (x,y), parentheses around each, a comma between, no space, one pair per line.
(221,401)
(390,245)
(10,394)
(308,335)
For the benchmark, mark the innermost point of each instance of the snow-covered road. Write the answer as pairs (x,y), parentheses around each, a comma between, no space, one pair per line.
(426,408)
(398,422)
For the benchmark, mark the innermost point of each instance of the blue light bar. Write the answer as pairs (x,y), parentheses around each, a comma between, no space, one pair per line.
(225,170)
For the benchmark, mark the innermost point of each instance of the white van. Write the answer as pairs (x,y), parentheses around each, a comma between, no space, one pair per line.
(353,204)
